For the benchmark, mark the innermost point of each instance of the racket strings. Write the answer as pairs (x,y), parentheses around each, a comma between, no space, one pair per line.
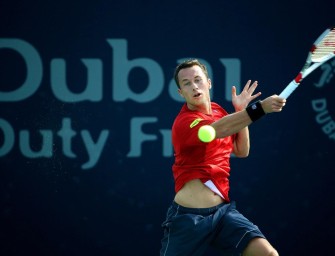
(325,47)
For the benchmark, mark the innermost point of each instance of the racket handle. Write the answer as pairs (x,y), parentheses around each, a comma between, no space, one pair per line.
(288,90)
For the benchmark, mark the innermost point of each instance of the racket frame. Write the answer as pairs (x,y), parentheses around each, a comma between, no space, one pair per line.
(308,68)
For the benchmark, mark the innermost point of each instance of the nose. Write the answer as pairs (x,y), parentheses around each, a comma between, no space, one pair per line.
(195,86)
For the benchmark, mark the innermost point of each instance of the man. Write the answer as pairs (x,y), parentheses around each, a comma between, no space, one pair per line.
(201,214)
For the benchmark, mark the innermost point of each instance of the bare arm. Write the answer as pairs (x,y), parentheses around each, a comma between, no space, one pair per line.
(231,124)
(238,122)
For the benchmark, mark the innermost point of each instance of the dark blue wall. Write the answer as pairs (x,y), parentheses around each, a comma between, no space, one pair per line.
(87,104)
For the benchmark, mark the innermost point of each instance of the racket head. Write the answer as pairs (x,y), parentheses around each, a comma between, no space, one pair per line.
(324,47)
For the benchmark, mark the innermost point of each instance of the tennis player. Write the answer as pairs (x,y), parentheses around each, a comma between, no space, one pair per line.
(201,214)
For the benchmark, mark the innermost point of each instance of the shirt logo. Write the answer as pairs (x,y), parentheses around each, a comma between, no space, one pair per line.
(195,122)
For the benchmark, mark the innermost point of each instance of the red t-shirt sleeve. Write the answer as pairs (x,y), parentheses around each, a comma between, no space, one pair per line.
(188,126)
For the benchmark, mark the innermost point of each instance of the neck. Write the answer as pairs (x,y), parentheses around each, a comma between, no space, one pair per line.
(203,108)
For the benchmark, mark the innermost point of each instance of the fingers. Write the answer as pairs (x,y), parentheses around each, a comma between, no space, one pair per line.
(253,86)
(233,91)
(246,87)
(250,89)
(278,103)
(273,103)
(277,108)
(256,95)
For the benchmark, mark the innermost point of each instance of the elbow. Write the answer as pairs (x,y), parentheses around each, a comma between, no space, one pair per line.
(241,153)
(242,148)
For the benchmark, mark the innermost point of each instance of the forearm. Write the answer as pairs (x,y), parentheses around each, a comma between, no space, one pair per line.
(232,124)
(238,122)
(235,122)
(242,143)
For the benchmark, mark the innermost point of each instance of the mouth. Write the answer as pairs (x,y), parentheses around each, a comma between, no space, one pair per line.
(197,95)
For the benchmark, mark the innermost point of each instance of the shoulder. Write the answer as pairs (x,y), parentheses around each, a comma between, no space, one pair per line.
(216,108)
(188,118)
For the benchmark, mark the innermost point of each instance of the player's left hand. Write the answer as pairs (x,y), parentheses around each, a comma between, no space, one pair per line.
(242,100)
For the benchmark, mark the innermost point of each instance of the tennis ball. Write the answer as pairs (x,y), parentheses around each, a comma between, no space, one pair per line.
(206,133)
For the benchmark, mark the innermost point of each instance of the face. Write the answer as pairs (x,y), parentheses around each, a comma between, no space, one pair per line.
(194,87)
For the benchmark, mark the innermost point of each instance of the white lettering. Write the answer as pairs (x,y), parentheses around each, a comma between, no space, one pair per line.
(27,148)
(46,149)
(319,104)
(121,69)
(94,150)
(328,72)
(66,133)
(9,137)
(167,144)
(34,69)
(137,136)
(329,127)
(323,117)
(93,91)
(233,75)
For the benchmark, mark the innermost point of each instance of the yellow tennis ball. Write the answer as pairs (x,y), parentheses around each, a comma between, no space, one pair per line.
(206,133)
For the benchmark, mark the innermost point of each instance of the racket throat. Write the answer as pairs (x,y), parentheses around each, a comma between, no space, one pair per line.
(298,78)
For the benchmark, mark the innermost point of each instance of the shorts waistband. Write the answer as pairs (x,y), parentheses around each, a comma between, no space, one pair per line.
(200,211)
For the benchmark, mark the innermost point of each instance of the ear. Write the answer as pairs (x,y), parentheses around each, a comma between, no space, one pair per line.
(209,84)
(180,93)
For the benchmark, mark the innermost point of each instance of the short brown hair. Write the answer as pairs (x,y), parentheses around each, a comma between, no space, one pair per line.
(187,64)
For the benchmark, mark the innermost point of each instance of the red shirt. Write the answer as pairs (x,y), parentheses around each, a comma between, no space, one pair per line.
(198,160)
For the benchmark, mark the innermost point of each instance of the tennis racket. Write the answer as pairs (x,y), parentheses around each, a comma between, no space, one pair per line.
(322,50)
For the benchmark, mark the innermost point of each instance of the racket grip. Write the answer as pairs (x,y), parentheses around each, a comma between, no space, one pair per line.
(288,90)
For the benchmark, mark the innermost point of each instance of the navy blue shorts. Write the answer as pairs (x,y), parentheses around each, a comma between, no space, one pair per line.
(190,231)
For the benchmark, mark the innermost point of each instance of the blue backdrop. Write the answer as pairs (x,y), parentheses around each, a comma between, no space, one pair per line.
(86,107)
